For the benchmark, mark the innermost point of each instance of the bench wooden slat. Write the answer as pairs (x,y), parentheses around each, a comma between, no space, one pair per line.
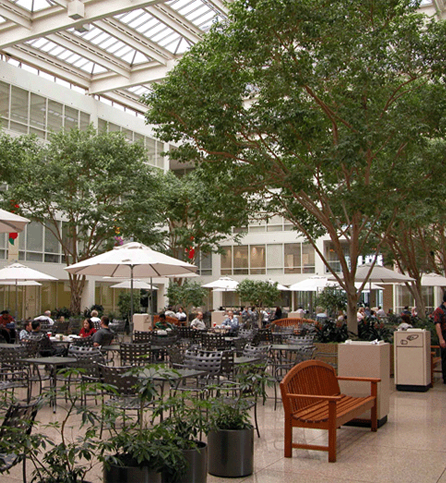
(311,399)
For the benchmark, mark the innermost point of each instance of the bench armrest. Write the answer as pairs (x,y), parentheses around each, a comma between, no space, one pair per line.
(314,396)
(365,379)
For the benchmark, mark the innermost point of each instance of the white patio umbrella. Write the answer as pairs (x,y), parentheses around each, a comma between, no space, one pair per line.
(433,280)
(137,284)
(279,285)
(135,260)
(11,223)
(16,272)
(311,284)
(223,283)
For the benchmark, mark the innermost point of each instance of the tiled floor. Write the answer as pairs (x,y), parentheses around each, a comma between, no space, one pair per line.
(410,447)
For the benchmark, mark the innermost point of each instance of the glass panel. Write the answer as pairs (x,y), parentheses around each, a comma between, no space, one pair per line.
(37,132)
(292,258)
(37,111)
(274,258)
(226,261)
(63,294)
(308,258)
(205,263)
(4,100)
(19,105)
(51,242)
(332,257)
(34,257)
(102,125)
(21,128)
(3,241)
(241,263)
(128,134)
(34,239)
(159,156)
(257,258)
(71,118)
(84,121)
(151,151)
(21,255)
(113,127)
(55,110)
(48,296)
(67,239)
(52,258)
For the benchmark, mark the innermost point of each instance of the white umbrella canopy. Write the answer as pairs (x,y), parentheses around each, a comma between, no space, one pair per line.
(21,283)
(16,273)
(11,223)
(433,280)
(132,260)
(379,274)
(279,285)
(222,284)
(137,285)
(311,284)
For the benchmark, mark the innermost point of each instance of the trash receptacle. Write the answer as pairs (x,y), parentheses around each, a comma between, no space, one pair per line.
(412,360)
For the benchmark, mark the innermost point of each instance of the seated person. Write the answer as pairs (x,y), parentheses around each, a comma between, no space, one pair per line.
(231,321)
(198,323)
(7,327)
(169,312)
(162,323)
(46,349)
(46,317)
(87,328)
(26,332)
(104,336)
(181,315)
(95,319)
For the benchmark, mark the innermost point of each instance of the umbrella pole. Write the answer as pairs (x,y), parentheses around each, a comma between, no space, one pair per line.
(151,303)
(131,302)
(16,301)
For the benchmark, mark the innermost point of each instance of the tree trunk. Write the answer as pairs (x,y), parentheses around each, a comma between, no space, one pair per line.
(77,285)
(352,307)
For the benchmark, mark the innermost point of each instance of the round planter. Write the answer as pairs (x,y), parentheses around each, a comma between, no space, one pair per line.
(130,474)
(197,465)
(231,452)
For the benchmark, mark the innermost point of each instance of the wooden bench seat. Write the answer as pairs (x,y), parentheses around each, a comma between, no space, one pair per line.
(312,398)
(290,322)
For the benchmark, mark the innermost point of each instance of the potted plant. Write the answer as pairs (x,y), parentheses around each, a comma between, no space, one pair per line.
(231,433)
(142,451)
(186,424)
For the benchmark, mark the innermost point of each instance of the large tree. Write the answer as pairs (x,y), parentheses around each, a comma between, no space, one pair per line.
(198,213)
(318,107)
(98,184)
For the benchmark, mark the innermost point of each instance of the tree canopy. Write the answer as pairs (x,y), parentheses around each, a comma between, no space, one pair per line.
(98,183)
(322,109)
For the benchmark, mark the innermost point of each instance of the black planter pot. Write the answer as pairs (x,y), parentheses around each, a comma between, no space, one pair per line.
(130,474)
(231,452)
(197,465)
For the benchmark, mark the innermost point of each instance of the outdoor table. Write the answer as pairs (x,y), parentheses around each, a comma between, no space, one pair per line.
(238,360)
(51,363)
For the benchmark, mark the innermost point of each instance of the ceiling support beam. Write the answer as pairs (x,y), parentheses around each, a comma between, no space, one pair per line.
(137,77)
(52,66)
(177,23)
(16,14)
(78,46)
(57,21)
(134,39)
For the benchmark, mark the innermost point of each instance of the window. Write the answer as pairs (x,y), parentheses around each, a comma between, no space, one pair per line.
(274,259)
(308,258)
(37,115)
(19,110)
(241,260)
(4,102)
(204,263)
(332,257)
(292,258)
(257,259)
(226,261)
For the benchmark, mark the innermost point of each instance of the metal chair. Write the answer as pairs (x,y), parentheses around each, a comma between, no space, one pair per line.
(19,419)
(141,336)
(134,354)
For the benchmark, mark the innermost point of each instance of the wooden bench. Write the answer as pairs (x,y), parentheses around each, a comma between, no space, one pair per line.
(291,322)
(312,399)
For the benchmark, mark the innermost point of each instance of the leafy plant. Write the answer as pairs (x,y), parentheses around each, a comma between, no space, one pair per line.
(99,309)
(329,331)
(373,329)
(124,304)
(333,299)
(188,295)
(63,312)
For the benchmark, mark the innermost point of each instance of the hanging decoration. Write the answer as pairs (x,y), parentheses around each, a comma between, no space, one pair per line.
(12,238)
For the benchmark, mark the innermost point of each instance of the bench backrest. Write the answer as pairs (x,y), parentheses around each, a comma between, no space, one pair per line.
(309,377)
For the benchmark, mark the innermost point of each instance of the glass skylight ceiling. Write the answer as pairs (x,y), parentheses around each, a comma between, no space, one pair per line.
(101,47)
